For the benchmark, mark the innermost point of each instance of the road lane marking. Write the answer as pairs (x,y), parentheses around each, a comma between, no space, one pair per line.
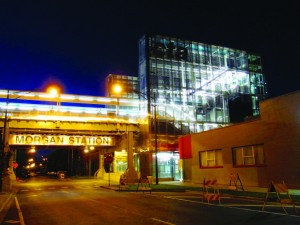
(186,200)
(4,205)
(161,221)
(32,195)
(233,206)
(253,210)
(12,221)
(19,212)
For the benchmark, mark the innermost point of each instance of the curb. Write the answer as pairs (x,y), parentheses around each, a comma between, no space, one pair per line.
(5,205)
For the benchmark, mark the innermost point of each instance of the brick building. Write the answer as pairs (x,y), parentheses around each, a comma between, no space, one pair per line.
(260,150)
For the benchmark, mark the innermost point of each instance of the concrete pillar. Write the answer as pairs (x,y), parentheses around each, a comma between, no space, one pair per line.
(101,171)
(130,173)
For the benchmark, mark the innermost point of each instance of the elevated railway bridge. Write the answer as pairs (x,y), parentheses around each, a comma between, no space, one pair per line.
(37,119)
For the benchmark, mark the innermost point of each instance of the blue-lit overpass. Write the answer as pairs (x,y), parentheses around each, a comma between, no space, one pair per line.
(40,119)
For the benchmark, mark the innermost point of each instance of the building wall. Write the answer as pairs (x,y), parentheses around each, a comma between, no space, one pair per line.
(278,129)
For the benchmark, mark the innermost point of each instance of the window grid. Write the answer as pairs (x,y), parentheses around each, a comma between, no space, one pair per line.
(211,159)
(252,155)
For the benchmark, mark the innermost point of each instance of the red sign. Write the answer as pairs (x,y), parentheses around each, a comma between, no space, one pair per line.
(15,165)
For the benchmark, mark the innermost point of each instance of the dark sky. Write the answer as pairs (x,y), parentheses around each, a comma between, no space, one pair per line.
(78,43)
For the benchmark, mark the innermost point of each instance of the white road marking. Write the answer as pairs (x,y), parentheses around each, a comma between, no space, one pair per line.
(161,221)
(32,195)
(12,221)
(19,212)
(233,206)
(3,205)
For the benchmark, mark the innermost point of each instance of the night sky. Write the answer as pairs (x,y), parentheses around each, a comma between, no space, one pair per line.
(78,43)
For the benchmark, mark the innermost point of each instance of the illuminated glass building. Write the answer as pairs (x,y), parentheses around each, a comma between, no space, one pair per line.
(194,87)
(128,83)
(196,84)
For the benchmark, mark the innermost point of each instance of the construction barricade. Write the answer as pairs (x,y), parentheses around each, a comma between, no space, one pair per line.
(211,191)
(278,192)
(123,182)
(235,182)
(144,184)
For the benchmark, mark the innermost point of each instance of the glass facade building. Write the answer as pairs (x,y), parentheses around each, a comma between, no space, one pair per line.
(128,83)
(198,86)
(193,87)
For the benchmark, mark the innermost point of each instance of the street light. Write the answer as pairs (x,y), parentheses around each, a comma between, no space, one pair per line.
(155,137)
(118,89)
(54,91)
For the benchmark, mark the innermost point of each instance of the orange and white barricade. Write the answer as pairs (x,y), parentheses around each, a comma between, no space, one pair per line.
(211,191)
(283,196)
(235,182)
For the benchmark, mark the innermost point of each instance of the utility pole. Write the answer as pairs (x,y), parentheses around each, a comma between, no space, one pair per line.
(3,145)
(155,136)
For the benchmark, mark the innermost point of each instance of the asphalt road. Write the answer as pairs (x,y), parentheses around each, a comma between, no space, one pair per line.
(49,201)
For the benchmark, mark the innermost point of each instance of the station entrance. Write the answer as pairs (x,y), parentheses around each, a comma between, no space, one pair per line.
(78,148)
(78,134)
(42,160)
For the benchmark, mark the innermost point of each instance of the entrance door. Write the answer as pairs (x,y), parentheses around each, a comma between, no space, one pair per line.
(168,166)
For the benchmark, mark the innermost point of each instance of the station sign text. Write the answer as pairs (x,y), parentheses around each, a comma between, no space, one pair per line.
(66,140)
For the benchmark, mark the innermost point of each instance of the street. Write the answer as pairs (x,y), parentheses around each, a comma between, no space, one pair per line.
(45,201)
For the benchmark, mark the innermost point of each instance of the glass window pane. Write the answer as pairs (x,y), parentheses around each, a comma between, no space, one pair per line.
(219,158)
(249,161)
(248,151)
(238,156)
(211,158)
(248,155)
(203,159)
(259,154)
(211,163)
(210,155)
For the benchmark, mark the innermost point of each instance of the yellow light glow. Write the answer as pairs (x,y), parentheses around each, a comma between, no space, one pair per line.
(117,88)
(54,91)
(32,150)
